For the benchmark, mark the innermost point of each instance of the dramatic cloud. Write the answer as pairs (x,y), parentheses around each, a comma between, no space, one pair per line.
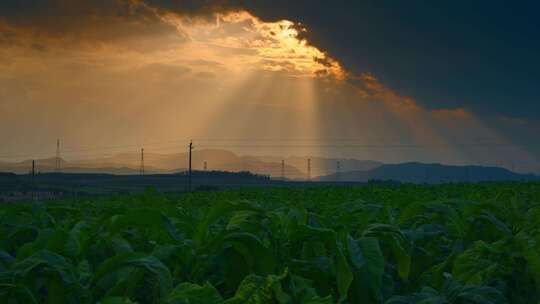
(131,25)
(124,71)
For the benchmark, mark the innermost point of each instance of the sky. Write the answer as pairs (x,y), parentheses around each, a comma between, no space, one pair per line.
(453,82)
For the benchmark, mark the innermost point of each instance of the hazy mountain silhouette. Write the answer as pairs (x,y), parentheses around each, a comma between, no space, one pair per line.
(295,167)
(129,163)
(49,165)
(324,166)
(430,173)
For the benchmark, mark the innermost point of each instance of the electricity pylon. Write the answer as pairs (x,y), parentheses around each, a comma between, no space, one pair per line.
(141,169)
(309,169)
(282,170)
(57,159)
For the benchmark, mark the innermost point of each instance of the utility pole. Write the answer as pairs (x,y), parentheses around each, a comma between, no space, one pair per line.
(338,170)
(32,184)
(189,170)
(283,170)
(57,159)
(141,170)
(309,169)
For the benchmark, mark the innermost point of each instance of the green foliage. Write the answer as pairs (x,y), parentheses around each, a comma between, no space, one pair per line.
(371,244)
(194,294)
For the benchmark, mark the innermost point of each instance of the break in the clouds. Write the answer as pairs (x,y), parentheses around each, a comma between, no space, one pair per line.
(106,73)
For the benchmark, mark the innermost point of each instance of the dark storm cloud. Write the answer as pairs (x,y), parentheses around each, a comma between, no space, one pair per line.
(479,55)
(194,8)
(30,23)
(59,16)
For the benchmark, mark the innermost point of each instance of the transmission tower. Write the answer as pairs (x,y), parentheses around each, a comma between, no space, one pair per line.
(309,169)
(57,159)
(282,170)
(33,172)
(33,180)
(141,169)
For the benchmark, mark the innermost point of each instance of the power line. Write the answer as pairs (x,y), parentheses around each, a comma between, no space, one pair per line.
(383,146)
(285,143)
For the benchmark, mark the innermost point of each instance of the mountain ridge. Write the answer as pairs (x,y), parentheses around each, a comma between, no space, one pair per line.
(415,172)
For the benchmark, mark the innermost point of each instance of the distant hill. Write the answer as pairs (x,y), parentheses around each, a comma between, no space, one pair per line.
(324,166)
(430,173)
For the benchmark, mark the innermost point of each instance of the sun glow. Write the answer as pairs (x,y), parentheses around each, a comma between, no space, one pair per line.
(255,44)
(268,75)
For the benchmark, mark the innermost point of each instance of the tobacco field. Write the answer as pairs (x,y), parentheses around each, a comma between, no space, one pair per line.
(393,244)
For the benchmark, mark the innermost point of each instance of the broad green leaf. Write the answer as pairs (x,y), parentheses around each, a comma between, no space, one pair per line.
(219,210)
(355,253)
(48,261)
(252,249)
(194,294)
(116,300)
(256,289)
(371,272)
(139,260)
(473,266)
(398,243)
(239,219)
(344,275)
(145,218)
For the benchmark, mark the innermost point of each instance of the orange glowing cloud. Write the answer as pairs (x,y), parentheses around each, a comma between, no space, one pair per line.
(270,46)
(369,87)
